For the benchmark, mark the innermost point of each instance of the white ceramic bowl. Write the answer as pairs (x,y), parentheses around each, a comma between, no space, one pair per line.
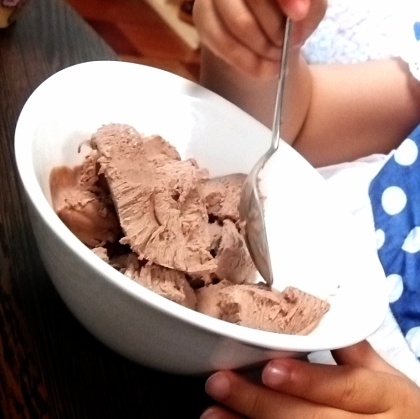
(315,244)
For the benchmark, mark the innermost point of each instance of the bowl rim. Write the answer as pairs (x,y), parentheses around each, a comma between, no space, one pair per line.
(25,128)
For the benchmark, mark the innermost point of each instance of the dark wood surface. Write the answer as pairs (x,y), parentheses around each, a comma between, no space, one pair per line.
(50,366)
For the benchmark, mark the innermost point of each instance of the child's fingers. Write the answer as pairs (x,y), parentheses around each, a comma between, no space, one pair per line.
(255,401)
(219,39)
(307,14)
(253,23)
(270,18)
(350,388)
(248,34)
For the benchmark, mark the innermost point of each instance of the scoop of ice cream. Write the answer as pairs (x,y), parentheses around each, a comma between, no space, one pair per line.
(82,205)
(304,311)
(291,311)
(160,207)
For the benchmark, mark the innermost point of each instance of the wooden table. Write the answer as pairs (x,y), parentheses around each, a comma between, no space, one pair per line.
(50,366)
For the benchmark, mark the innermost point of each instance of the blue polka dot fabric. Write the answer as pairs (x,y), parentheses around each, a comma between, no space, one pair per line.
(395,199)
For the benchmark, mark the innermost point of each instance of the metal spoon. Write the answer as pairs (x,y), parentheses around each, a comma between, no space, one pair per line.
(250,206)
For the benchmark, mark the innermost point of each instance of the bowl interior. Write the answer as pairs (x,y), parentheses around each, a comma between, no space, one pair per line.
(315,245)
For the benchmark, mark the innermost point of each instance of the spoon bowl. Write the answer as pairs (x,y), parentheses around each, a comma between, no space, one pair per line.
(250,206)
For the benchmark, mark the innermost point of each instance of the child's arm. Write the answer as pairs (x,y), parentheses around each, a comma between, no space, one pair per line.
(363,385)
(359,109)
(331,113)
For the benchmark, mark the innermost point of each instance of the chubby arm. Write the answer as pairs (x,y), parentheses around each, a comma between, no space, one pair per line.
(358,109)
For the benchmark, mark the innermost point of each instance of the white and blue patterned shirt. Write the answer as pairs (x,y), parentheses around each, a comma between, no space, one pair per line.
(395,200)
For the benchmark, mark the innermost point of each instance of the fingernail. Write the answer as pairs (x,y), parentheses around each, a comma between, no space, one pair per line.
(209,414)
(218,386)
(299,10)
(275,374)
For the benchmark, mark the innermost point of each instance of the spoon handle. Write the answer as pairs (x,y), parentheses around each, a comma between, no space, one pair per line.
(276,135)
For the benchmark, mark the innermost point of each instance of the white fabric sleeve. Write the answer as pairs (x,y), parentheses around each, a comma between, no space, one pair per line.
(349,183)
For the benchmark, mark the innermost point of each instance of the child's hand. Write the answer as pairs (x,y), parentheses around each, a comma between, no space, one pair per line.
(362,385)
(248,34)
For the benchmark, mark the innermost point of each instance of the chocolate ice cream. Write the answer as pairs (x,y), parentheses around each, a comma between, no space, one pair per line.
(233,260)
(83,205)
(157,197)
(163,223)
(169,283)
(291,311)
(222,195)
